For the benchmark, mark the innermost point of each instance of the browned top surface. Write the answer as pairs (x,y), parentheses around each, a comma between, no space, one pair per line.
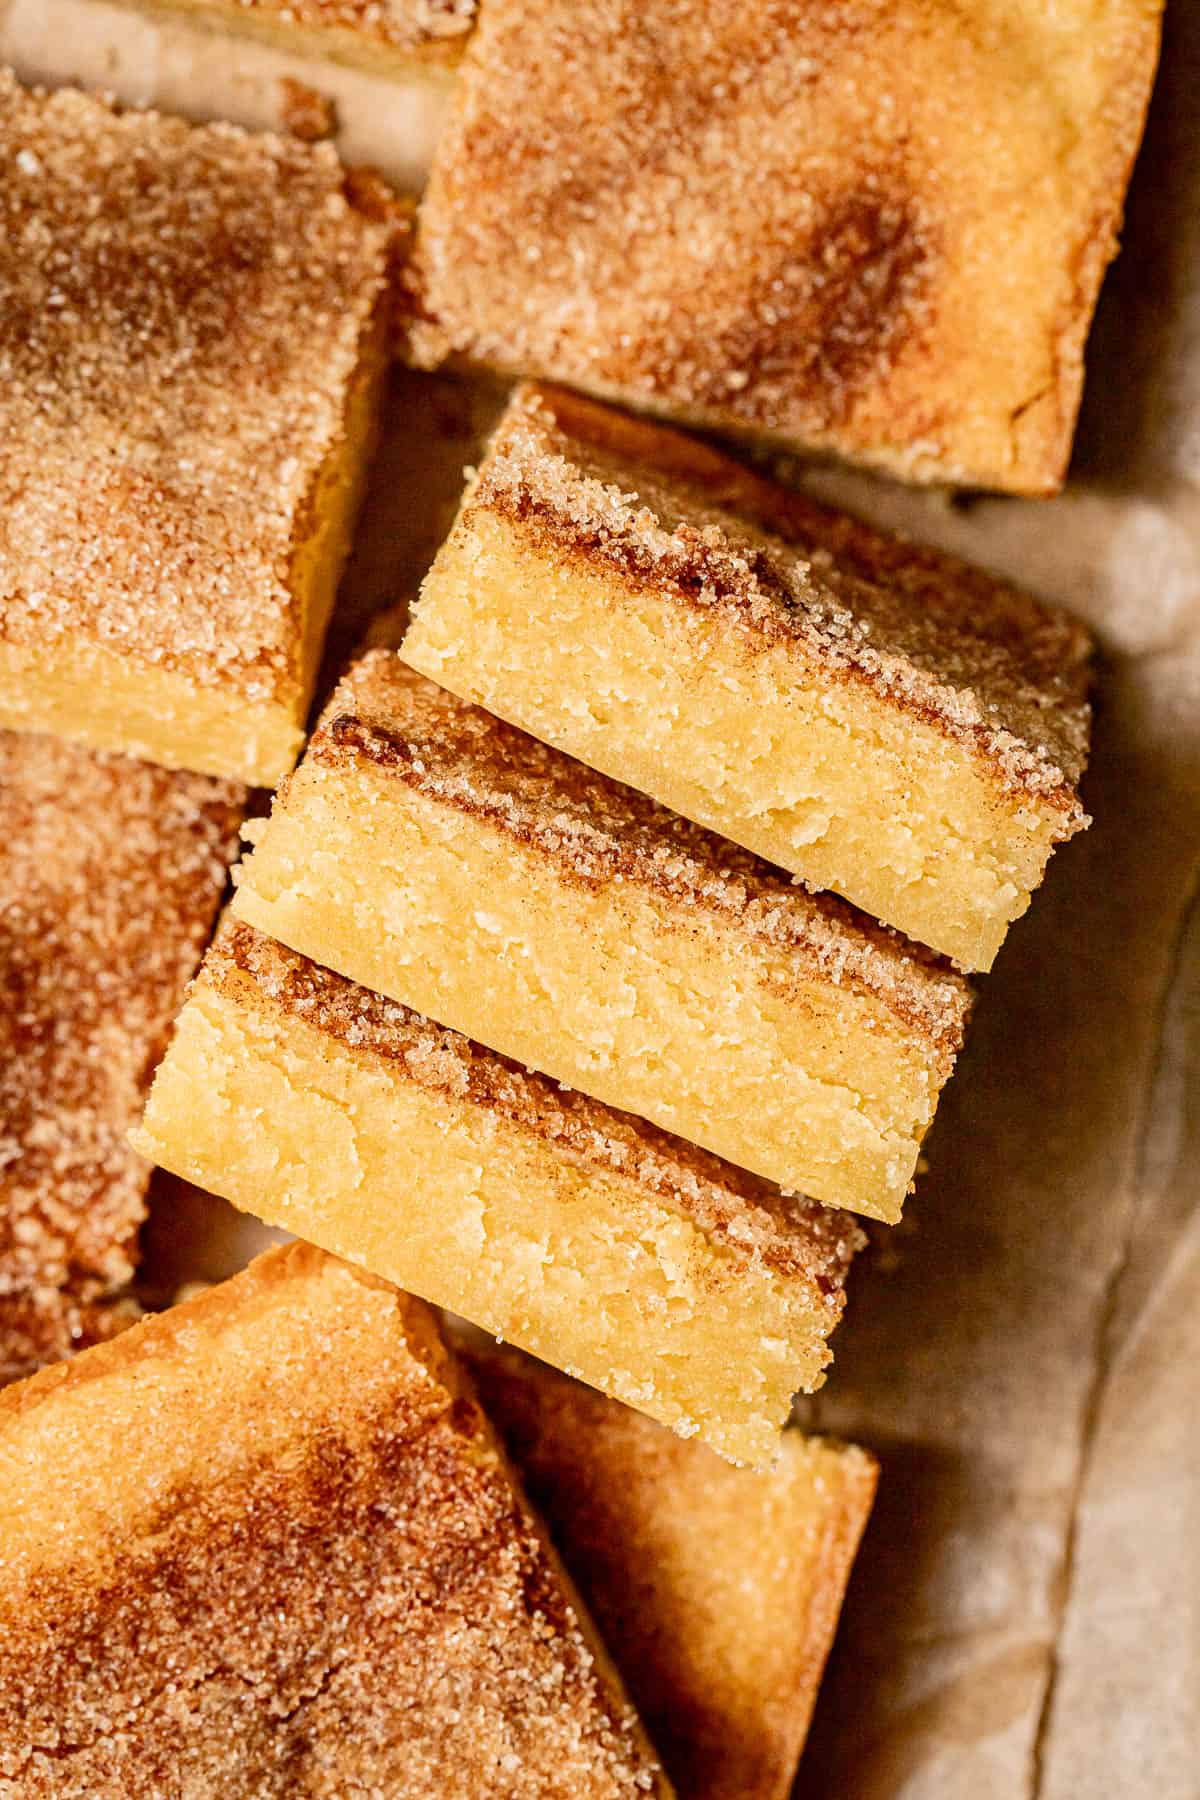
(409,25)
(598,832)
(749,1215)
(717,1589)
(307,1573)
(110,874)
(181,310)
(868,225)
(44,1325)
(988,665)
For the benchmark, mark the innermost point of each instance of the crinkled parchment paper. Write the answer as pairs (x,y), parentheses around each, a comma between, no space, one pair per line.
(1024,1621)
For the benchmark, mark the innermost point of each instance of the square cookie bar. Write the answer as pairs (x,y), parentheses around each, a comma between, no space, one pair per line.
(716,1589)
(439,856)
(111,872)
(266,1544)
(880,719)
(874,229)
(191,340)
(654,1271)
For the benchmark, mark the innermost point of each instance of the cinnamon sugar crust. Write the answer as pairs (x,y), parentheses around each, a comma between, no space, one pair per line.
(597,831)
(795,1236)
(675,1553)
(306,1571)
(868,228)
(412,25)
(395,35)
(110,875)
(45,1325)
(989,666)
(182,312)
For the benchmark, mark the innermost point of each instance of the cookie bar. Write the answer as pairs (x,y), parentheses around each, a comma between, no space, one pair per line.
(191,339)
(111,872)
(439,856)
(655,1272)
(877,230)
(717,1590)
(265,1544)
(882,720)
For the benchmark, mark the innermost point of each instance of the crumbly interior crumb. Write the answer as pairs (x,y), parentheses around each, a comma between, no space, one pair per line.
(788,1233)
(989,665)
(597,830)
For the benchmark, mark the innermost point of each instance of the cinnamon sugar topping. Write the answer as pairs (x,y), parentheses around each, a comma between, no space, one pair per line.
(874,228)
(110,874)
(45,1325)
(410,25)
(989,666)
(181,314)
(310,1574)
(598,831)
(751,1216)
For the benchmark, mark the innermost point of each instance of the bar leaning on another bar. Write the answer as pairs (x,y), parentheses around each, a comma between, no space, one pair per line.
(882,720)
(654,1271)
(266,1545)
(717,1590)
(385,37)
(446,859)
(191,343)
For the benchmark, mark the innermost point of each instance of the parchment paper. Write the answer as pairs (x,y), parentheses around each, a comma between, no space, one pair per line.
(1024,1620)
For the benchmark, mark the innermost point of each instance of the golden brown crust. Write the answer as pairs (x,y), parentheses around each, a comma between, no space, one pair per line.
(182,311)
(669,1545)
(750,1216)
(325,1584)
(110,875)
(422,34)
(987,665)
(868,227)
(597,831)
(45,1325)
(409,25)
